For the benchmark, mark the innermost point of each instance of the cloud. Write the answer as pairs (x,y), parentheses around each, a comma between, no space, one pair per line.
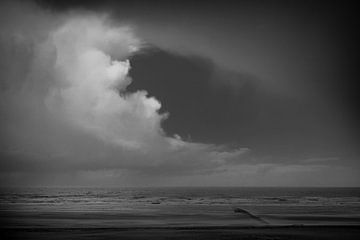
(65,107)
(92,91)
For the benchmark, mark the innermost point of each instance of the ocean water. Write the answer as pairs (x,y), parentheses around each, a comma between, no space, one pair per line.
(178,206)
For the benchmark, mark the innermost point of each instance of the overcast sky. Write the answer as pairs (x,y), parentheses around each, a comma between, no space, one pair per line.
(172,93)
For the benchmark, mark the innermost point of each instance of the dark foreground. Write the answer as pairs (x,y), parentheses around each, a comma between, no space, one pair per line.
(288,232)
(180,213)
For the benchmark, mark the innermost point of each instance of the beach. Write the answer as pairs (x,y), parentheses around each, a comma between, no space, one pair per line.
(180,213)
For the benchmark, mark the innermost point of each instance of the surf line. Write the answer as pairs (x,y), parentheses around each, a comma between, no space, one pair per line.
(240,210)
(243,211)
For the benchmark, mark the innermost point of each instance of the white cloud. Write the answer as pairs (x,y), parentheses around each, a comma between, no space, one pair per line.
(91,82)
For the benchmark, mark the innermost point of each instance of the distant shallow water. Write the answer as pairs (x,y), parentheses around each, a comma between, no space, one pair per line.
(132,207)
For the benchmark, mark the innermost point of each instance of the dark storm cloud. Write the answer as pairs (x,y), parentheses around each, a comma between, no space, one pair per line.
(205,109)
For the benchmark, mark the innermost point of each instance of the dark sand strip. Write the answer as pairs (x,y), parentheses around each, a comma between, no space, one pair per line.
(211,233)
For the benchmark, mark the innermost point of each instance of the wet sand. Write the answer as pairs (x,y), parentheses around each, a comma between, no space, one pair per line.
(163,225)
(249,233)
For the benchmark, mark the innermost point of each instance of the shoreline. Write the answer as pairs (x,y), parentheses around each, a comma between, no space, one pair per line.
(205,227)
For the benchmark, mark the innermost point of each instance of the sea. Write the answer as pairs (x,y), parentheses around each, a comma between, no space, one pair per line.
(177,207)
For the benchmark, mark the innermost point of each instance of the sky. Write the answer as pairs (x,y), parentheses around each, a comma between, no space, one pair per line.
(174,93)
